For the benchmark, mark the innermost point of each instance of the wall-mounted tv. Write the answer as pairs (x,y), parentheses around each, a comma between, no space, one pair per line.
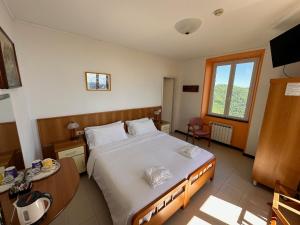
(285,48)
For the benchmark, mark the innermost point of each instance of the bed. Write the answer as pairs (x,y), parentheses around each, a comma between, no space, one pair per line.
(118,169)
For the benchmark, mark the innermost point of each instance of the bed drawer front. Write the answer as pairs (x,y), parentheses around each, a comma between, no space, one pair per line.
(165,128)
(80,163)
(71,152)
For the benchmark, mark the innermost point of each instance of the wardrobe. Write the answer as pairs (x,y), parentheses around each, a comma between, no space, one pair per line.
(278,152)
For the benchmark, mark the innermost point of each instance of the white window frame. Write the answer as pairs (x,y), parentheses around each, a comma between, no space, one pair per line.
(230,88)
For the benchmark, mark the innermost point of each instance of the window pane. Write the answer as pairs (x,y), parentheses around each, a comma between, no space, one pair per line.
(220,89)
(241,88)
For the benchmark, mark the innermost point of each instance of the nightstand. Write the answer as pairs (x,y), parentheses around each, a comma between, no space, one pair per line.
(75,149)
(164,126)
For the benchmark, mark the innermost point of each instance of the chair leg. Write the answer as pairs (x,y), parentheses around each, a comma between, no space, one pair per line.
(193,139)
(209,141)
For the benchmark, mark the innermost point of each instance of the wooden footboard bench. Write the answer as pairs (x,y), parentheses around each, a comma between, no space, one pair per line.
(162,208)
(200,176)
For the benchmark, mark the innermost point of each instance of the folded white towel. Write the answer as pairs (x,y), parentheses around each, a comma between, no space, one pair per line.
(157,175)
(190,151)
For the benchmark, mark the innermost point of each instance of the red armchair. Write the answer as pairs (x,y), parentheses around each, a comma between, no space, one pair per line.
(197,128)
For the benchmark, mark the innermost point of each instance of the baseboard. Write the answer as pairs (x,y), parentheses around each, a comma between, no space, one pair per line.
(239,149)
(248,155)
(184,133)
(181,132)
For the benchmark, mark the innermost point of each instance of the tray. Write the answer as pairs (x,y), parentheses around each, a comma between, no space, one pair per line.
(7,186)
(46,173)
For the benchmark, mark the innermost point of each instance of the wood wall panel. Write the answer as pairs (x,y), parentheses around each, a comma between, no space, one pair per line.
(52,130)
(239,133)
(9,137)
(10,148)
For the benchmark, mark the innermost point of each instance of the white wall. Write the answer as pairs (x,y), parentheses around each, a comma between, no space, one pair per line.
(6,111)
(53,64)
(18,98)
(192,72)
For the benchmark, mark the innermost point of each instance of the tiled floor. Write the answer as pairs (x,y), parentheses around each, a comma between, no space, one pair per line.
(229,199)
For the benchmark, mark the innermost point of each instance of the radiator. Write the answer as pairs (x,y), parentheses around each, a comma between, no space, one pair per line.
(221,132)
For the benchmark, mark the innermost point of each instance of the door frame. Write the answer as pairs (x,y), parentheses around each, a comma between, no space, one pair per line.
(173,98)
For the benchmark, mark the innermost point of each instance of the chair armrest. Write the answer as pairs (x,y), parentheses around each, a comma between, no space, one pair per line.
(190,126)
(208,125)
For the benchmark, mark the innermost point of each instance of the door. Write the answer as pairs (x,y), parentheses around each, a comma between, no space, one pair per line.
(168,100)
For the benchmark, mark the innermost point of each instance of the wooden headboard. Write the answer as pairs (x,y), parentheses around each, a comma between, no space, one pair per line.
(10,148)
(52,130)
(9,140)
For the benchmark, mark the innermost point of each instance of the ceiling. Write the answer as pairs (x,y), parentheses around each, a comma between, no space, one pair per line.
(148,25)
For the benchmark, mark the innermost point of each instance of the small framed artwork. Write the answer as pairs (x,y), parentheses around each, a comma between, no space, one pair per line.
(190,88)
(98,81)
(9,70)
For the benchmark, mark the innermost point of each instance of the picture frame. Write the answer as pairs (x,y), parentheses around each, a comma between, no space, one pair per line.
(98,81)
(9,69)
(190,88)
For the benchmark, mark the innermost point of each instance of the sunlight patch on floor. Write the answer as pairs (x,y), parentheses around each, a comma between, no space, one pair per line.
(229,213)
(221,210)
(197,221)
(250,218)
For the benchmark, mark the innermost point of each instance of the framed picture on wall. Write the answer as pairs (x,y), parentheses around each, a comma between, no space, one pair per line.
(9,70)
(98,81)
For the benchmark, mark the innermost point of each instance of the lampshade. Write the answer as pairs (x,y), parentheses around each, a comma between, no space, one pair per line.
(188,25)
(73,125)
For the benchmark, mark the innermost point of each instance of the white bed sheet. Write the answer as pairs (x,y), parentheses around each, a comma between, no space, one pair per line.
(118,169)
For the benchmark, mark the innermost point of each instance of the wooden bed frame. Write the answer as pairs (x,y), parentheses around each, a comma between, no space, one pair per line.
(162,208)
(53,130)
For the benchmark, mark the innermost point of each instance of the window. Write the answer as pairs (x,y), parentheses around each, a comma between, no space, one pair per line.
(232,87)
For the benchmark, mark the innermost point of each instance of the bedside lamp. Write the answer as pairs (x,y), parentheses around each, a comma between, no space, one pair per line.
(72,126)
(157,115)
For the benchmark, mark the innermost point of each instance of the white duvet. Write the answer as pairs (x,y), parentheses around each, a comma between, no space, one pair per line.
(118,169)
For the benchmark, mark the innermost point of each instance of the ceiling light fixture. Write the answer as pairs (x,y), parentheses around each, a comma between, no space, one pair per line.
(218,12)
(188,25)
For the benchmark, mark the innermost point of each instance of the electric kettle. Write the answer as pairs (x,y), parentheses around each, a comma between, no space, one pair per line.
(32,206)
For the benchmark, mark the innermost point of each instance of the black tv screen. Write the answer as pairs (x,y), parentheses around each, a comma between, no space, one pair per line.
(285,48)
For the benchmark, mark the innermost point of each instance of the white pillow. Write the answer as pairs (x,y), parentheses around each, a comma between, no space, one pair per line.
(130,123)
(143,127)
(89,134)
(96,127)
(105,134)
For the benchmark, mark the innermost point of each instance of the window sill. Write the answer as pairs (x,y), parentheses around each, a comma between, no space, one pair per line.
(226,118)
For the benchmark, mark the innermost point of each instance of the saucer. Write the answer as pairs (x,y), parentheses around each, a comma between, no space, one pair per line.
(47,169)
(53,167)
(36,171)
(8,179)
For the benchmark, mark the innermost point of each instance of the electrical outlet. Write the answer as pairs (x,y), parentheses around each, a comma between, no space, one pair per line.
(79,132)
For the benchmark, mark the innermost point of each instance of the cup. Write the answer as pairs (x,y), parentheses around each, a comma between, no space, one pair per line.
(1,175)
(11,171)
(47,163)
(1,179)
(37,164)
